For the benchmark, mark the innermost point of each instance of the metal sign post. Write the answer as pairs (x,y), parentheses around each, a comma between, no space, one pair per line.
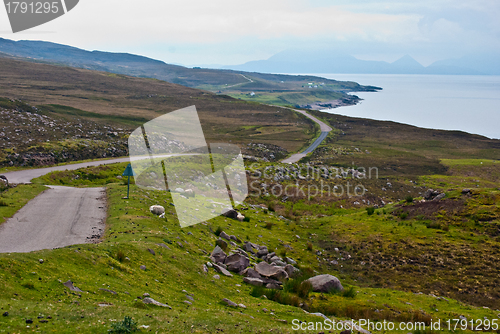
(128,172)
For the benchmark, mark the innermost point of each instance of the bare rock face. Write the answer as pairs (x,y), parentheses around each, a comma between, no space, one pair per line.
(325,283)
(237,262)
(218,255)
(157,209)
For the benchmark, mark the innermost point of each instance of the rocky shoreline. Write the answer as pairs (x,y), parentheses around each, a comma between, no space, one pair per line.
(351,100)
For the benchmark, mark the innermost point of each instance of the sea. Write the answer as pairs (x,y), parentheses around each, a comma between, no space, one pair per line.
(469,103)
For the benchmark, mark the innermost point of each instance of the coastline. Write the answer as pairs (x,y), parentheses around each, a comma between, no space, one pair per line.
(352,100)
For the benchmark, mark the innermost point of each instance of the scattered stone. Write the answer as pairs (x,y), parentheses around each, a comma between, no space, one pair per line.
(216,277)
(149,300)
(107,290)
(224,235)
(180,244)
(325,283)
(40,261)
(466,191)
(146,294)
(157,209)
(142,267)
(204,268)
(190,298)
(163,245)
(29,321)
(5,314)
(187,302)
(70,286)
(439,197)
(229,303)
(242,305)
(222,270)
(248,248)
(151,251)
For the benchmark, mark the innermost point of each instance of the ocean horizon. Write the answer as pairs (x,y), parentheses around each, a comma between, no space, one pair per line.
(469,103)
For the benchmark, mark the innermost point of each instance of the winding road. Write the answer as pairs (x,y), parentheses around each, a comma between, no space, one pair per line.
(63,216)
(324,132)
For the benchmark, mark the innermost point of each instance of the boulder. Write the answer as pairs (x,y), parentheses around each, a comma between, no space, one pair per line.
(280,275)
(240,217)
(465,191)
(262,252)
(149,300)
(430,194)
(273,286)
(439,197)
(248,247)
(236,262)
(224,235)
(157,209)
(253,281)
(291,270)
(218,255)
(70,286)
(231,213)
(222,270)
(267,270)
(249,272)
(229,303)
(325,283)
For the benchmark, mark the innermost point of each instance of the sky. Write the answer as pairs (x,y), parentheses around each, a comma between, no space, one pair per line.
(201,32)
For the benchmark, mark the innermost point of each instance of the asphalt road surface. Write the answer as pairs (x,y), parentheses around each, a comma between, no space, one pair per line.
(324,132)
(58,217)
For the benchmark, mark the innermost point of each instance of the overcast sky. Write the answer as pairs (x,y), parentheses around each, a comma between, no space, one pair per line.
(227,32)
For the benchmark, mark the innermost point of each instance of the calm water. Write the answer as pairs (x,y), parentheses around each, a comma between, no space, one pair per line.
(469,103)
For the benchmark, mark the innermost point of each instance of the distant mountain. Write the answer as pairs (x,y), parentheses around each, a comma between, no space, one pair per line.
(330,61)
(479,63)
(139,66)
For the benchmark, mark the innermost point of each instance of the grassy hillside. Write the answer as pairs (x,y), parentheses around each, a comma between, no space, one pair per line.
(214,80)
(78,105)
(452,269)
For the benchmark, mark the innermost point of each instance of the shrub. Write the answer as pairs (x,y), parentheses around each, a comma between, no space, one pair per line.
(28,285)
(246,219)
(266,212)
(269,225)
(222,244)
(403,215)
(3,203)
(120,256)
(270,206)
(126,326)
(218,231)
(349,293)
(409,199)
(309,246)
(370,210)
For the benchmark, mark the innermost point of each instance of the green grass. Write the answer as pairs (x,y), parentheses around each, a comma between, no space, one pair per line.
(31,289)
(14,199)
